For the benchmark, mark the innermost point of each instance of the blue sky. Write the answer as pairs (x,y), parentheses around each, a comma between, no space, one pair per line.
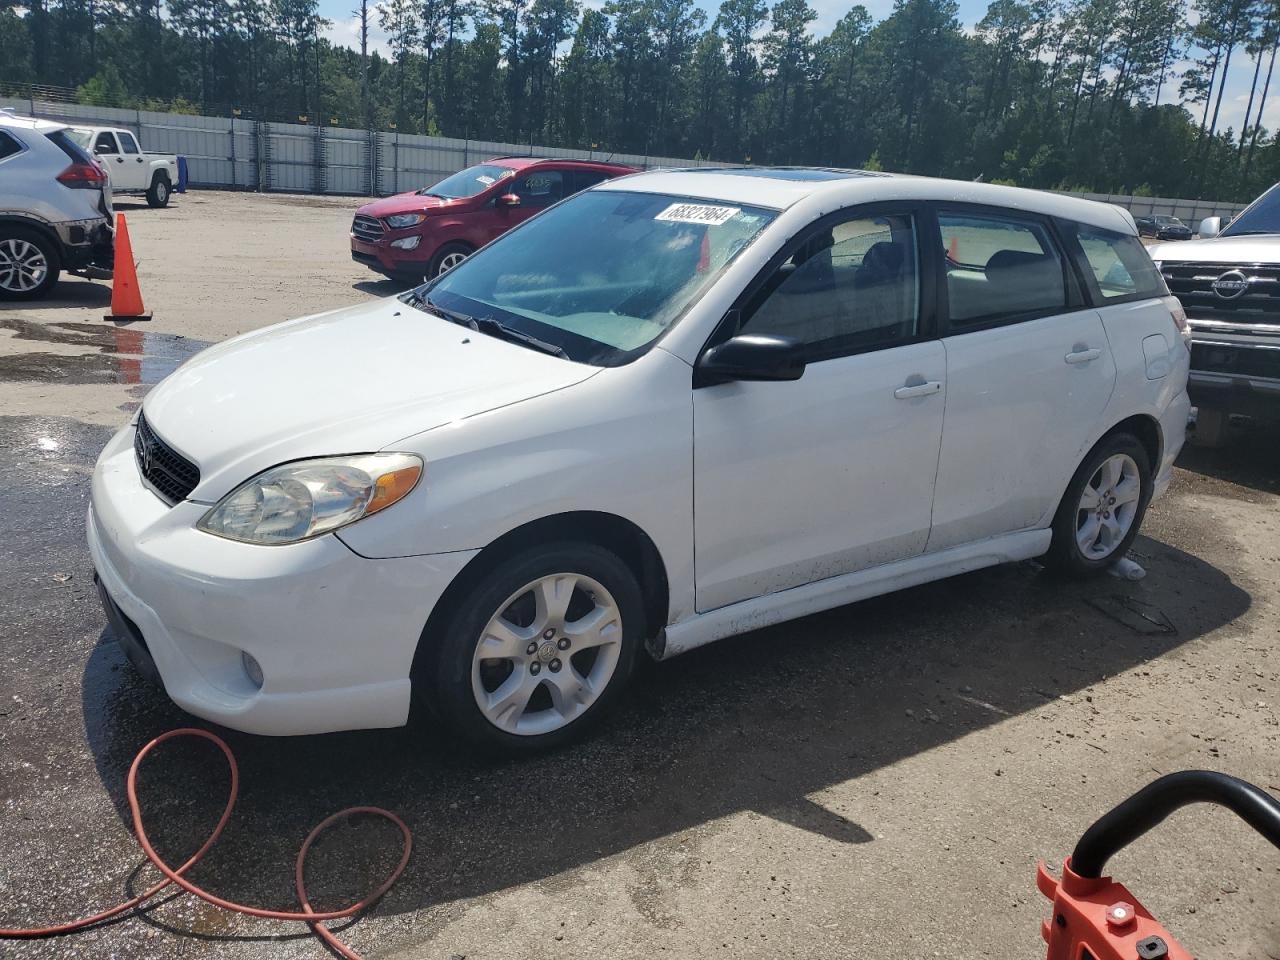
(829,11)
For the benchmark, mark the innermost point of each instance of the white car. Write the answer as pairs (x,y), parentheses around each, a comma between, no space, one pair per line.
(55,209)
(671,408)
(131,169)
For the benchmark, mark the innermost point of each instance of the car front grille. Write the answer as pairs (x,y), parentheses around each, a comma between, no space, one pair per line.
(170,474)
(365,228)
(1193,284)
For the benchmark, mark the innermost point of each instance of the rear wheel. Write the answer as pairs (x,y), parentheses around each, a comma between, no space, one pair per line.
(29,264)
(158,194)
(538,650)
(1103,507)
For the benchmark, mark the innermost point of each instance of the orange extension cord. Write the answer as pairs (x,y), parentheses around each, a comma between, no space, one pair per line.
(306,915)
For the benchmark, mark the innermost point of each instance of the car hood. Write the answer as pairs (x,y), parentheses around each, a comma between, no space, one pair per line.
(1263,248)
(350,381)
(405,203)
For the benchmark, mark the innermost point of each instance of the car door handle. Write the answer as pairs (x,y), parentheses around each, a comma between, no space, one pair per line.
(918,389)
(139,159)
(1083,356)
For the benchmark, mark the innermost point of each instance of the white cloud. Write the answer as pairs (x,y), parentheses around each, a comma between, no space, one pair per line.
(344,31)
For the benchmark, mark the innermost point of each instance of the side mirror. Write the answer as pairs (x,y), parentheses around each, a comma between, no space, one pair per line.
(751,356)
(509,200)
(1210,227)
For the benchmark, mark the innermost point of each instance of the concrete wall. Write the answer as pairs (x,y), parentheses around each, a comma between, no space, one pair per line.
(296,158)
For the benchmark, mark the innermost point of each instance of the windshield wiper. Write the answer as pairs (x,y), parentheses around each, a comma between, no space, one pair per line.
(490,325)
(496,328)
(1250,233)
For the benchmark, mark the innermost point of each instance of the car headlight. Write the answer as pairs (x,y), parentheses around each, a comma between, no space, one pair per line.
(300,500)
(401,220)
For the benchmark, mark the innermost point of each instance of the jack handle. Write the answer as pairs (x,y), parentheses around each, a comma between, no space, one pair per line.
(1153,803)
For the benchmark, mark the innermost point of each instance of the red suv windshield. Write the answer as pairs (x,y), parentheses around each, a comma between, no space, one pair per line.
(468,182)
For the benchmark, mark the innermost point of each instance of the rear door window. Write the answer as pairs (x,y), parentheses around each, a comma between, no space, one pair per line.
(575,180)
(1000,268)
(128,144)
(1119,263)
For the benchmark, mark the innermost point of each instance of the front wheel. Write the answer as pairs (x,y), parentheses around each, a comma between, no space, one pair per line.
(446,258)
(158,195)
(538,650)
(1103,507)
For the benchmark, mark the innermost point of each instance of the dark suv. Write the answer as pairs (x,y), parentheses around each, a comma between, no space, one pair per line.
(419,235)
(1162,228)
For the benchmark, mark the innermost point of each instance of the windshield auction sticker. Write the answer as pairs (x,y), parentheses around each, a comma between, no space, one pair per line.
(697,213)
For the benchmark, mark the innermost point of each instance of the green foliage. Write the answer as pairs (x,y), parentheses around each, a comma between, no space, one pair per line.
(1039,93)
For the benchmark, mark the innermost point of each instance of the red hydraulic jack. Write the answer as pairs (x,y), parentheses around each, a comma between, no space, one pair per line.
(1095,918)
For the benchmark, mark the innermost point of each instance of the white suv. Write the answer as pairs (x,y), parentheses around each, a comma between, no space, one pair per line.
(55,209)
(671,408)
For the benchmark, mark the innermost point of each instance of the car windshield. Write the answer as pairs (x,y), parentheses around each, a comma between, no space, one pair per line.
(602,275)
(1261,216)
(468,182)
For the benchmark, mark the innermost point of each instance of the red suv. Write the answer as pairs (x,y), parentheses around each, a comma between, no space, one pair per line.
(422,234)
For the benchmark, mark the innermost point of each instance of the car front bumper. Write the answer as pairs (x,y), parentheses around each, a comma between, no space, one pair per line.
(386,259)
(334,633)
(1237,372)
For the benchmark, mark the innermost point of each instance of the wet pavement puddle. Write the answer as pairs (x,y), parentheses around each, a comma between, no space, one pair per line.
(124,354)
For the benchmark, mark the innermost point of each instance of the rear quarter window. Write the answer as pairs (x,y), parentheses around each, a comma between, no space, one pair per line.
(1120,264)
(8,145)
(62,140)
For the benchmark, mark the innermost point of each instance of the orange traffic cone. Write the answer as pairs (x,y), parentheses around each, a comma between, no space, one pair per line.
(126,297)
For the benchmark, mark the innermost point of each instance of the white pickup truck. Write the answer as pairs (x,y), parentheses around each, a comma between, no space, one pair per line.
(128,168)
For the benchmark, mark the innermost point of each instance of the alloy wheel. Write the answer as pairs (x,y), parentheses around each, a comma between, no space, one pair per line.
(449,261)
(547,654)
(23,266)
(1108,506)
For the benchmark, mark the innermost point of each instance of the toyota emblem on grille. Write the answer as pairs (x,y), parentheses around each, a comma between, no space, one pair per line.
(1230,285)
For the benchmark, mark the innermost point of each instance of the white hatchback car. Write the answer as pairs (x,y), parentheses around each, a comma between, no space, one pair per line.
(672,408)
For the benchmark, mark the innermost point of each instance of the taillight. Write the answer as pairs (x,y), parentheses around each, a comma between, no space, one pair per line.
(83,176)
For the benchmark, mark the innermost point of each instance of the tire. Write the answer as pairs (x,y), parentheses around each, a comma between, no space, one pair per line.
(29,263)
(545,703)
(1119,469)
(159,191)
(446,258)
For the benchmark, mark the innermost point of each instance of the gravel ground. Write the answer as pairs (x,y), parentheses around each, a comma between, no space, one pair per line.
(874,781)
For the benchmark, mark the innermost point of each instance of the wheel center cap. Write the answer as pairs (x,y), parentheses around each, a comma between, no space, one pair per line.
(547,652)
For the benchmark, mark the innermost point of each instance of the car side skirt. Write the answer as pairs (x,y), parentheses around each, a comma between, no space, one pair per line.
(801,601)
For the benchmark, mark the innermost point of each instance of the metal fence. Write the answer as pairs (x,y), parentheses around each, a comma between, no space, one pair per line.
(232,153)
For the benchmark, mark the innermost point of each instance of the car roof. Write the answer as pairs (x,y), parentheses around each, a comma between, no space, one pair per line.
(521,163)
(15,122)
(783,187)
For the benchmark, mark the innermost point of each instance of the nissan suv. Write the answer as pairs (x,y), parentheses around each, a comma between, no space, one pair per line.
(1229,285)
(55,209)
(422,234)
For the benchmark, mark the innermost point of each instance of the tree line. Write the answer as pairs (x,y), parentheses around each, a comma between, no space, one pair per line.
(1103,95)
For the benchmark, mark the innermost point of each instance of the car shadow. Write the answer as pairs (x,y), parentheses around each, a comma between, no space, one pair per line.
(68,292)
(386,287)
(1249,456)
(759,723)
